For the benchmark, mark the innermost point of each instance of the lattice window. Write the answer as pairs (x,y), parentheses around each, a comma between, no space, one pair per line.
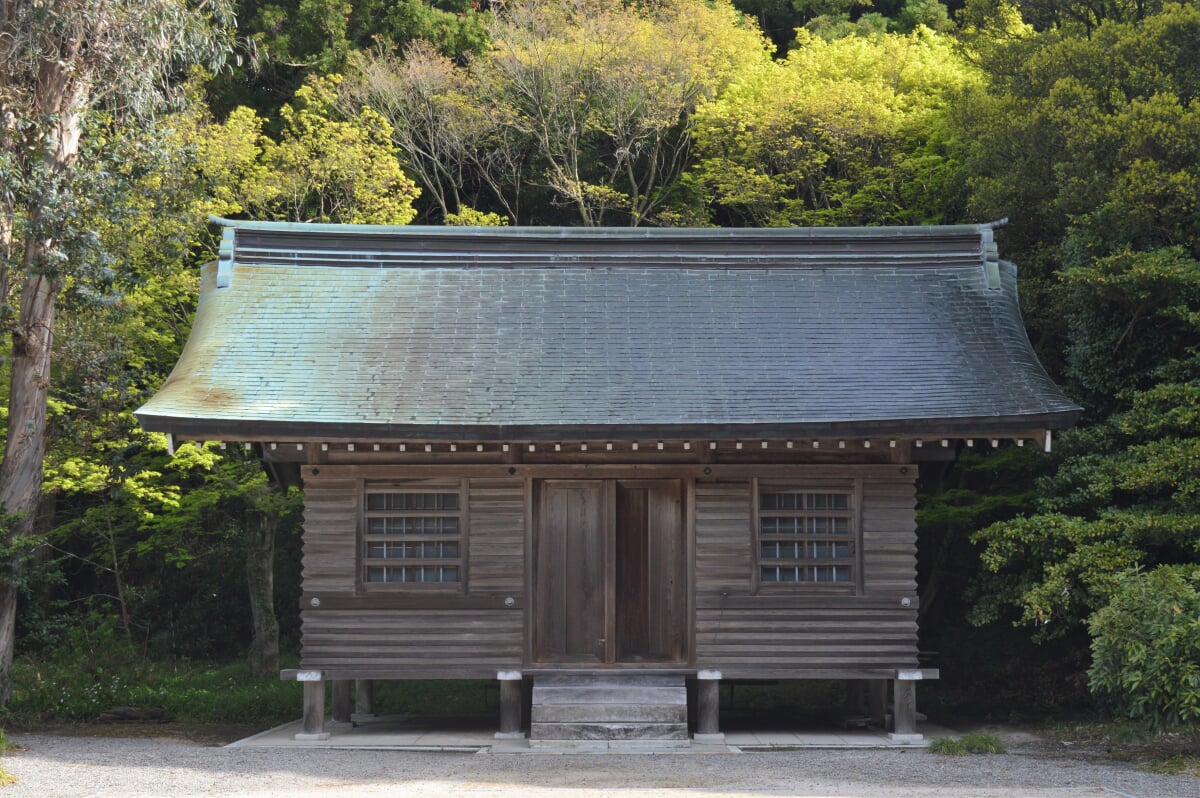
(412,536)
(807,537)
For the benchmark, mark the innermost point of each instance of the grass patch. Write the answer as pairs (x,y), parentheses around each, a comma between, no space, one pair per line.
(1169,752)
(1175,765)
(967,744)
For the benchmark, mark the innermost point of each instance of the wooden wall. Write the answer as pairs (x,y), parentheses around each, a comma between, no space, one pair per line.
(426,635)
(784,634)
(744,633)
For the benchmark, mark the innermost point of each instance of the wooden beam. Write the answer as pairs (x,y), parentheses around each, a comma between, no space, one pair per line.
(809,471)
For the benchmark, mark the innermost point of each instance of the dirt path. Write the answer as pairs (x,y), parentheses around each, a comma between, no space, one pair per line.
(55,765)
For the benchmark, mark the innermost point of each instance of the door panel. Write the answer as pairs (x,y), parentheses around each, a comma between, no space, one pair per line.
(650,618)
(632,572)
(609,574)
(570,572)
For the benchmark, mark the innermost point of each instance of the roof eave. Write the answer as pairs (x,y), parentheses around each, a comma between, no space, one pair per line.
(263,430)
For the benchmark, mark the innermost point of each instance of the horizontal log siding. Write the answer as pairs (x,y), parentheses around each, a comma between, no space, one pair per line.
(889,529)
(413,643)
(724,545)
(496,539)
(744,635)
(330,559)
(416,644)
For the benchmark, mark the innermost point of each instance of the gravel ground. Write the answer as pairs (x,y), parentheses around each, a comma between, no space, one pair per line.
(55,765)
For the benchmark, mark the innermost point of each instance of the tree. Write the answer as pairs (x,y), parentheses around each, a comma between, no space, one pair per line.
(850,131)
(605,92)
(1099,169)
(455,143)
(60,61)
(329,169)
(290,41)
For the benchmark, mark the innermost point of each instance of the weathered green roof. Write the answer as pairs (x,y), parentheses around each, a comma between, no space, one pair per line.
(536,333)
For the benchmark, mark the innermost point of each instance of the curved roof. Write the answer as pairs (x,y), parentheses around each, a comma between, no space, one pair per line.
(536,333)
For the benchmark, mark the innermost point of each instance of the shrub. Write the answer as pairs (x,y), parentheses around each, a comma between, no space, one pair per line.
(968,744)
(947,746)
(1146,647)
(982,744)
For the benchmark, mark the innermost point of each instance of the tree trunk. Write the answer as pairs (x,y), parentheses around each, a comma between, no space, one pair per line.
(261,527)
(21,471)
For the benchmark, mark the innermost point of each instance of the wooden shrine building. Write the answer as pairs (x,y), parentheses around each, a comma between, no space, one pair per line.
(607,465)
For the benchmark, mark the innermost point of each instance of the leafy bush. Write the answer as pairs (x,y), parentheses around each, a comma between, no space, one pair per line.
(187,691)
(1146,647)
(96,668)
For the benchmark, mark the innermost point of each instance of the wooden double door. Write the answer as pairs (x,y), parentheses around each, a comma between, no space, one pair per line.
(609,572)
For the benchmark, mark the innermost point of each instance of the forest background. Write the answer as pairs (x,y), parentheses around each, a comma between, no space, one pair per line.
(1049,583)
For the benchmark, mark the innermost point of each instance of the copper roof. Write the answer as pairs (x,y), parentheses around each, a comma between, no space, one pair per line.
(498,333)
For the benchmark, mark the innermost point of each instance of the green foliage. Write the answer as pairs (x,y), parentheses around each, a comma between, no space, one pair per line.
(974,743)
(1122,496)
(189,692)
(850,131)
(95,669)
(1146,647)
(292,41)
(329,169)
(1132,315)
(603,92)
(469,217)
(1087,142)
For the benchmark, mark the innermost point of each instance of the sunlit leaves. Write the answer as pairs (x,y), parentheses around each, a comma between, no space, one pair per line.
(604,92)
(327,168)
(847,131)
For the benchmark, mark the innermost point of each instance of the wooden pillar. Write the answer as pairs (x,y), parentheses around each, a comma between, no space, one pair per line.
(708,708)
(856,698)
(512,699)
(877,698)
(314,709)
(364,698)
(341,701)
(904,710)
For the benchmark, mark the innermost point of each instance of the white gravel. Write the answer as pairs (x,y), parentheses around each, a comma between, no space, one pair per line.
(79,767)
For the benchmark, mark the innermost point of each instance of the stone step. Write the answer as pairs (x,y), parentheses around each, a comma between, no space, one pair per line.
(610,713)
(608,731)
(609,678)
(609,707)
(608,694)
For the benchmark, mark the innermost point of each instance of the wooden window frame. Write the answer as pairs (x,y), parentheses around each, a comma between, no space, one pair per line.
(457,487)
(853,490)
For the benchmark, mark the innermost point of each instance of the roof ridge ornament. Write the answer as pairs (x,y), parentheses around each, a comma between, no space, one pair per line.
(225,258)
(990,253)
